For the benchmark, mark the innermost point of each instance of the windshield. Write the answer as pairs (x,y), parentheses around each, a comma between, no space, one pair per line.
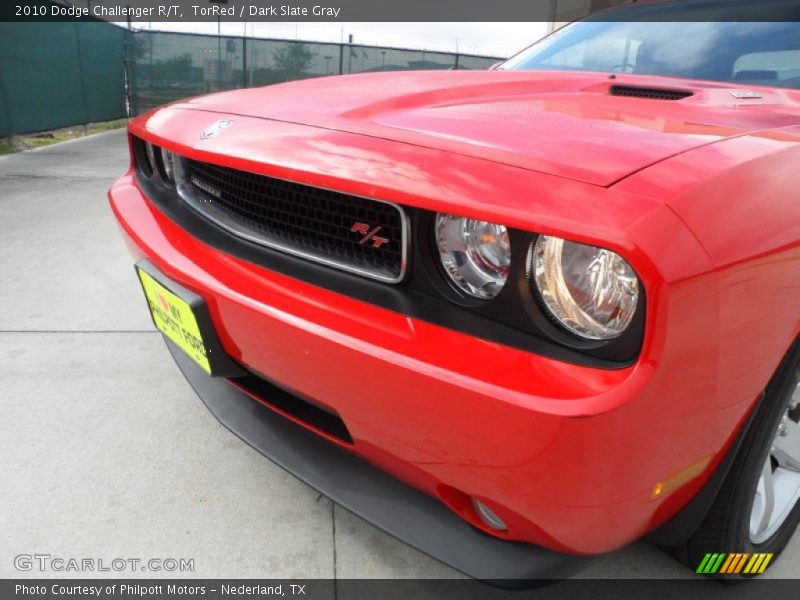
(754,53)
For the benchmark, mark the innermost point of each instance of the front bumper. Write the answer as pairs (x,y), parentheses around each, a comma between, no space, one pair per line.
(411,516)
(569,456)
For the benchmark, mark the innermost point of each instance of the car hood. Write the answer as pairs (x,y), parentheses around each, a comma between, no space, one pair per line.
(566,124)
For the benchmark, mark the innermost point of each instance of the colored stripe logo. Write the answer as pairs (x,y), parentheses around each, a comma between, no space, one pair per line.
(735,563)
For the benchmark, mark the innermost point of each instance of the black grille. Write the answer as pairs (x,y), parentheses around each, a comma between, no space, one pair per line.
(316,223)
(645,92)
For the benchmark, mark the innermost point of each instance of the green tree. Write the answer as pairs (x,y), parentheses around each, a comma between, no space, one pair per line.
(292,60)
(141,46)
(177,68)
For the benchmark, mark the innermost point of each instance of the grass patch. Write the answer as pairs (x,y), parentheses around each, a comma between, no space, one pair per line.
(48,138)
(6,147)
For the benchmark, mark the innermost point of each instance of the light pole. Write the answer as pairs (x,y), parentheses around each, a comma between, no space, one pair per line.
(219,44)
(350,53)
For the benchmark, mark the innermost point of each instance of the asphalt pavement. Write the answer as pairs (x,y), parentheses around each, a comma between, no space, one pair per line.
(107,452)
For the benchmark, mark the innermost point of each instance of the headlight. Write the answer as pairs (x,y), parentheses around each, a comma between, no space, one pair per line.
(152,164)
(168,160)
(475,254)
(591,291)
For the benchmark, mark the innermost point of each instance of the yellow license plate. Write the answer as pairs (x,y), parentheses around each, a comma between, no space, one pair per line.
(174,317)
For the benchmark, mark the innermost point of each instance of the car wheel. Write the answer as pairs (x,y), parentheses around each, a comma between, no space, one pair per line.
(757,508)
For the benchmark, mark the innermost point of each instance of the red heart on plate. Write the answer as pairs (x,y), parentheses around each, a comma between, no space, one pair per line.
(164,303)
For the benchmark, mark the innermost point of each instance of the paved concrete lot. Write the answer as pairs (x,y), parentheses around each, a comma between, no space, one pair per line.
(106,451)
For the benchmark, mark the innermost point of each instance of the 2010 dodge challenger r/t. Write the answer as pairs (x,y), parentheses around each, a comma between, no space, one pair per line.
(514,317)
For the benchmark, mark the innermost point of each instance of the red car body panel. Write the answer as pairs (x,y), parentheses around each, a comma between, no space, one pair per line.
(698,195)
(567,125)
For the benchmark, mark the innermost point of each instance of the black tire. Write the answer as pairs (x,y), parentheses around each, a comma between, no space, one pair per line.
(726,527)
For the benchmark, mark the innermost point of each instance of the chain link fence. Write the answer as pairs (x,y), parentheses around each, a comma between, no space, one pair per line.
(58,74)
(55,75)
(163,67)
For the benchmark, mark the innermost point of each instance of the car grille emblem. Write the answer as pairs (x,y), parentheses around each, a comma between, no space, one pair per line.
(369,233)
(212,130)
(208,189)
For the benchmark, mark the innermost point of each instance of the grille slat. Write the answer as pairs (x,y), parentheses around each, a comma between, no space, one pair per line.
(314,222)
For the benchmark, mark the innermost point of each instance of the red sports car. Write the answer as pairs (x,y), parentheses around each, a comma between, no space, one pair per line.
(512,317)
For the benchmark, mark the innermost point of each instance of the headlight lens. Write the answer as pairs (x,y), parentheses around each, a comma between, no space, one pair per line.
(168,160)
(591,291)
(475,254)
(150,151)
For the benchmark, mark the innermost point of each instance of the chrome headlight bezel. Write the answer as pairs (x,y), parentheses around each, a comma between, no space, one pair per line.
(166,166)
(150,161)
(609,286)
(476,268)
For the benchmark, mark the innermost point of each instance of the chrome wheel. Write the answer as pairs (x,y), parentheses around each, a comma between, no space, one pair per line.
(779,484)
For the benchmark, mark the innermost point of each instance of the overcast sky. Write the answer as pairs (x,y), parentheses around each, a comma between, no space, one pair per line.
(489,39)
